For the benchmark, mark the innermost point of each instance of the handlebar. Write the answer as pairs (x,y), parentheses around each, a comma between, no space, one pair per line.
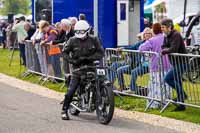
(81,68)
(86,67)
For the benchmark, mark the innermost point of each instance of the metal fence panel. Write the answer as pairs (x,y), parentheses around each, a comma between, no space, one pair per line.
(132,74)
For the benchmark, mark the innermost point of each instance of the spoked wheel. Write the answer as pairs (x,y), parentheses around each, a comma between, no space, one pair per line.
(193,76)
(194,73)
(105,108)
(74,111)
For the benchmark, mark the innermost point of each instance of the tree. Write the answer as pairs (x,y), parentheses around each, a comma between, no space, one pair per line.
(16,7)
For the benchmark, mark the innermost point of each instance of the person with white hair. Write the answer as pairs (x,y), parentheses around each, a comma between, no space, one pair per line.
(67,27)
(64,35)
(64,28)
(73,21)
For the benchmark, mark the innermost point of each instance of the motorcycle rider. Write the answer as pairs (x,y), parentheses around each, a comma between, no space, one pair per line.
(82,49)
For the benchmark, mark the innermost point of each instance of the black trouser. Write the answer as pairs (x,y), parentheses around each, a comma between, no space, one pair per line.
(74,83)
(22,52)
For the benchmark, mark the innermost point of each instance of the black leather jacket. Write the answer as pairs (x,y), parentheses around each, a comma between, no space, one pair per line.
(62,37)
(80,52)
(174,43)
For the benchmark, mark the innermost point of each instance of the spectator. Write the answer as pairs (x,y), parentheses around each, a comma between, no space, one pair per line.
(58,26)
(147,23)
(4,35)
(10,36)
(143,67)
(136,59)
(21,35)
(30,31)
(154,44)
(173,43)
(65,31)
(1,36)
(40,50)
(54,51)
(73,21)
(66,26)
(123,67)
(82,16)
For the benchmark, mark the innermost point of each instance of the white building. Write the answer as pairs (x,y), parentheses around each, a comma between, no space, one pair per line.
(172,8)
(175,8)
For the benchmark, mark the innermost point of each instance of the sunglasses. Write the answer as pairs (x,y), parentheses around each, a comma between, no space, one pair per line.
(81,31)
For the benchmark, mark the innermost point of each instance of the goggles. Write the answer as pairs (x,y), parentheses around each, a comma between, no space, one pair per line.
(81,31)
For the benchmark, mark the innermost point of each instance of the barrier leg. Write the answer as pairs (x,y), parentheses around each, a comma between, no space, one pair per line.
(45,80)
(62,87)
(163,109)
(25,74)
(148,106)
(40,79)
(121,98)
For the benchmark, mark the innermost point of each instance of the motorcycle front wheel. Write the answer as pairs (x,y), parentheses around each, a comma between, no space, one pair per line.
(106,104)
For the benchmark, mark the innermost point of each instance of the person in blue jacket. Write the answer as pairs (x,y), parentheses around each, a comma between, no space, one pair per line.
(135,63)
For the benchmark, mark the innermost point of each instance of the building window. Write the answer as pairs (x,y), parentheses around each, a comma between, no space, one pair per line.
(123,11)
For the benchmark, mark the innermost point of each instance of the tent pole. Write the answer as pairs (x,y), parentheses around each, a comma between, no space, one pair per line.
(96,17)
(184,15)
(185,8)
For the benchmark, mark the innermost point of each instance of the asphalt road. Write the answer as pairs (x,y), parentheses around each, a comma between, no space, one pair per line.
(24,112)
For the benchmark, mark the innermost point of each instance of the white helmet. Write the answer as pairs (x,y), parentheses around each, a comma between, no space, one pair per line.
(81,28)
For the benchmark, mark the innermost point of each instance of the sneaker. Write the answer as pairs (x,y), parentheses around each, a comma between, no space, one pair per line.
(64,115)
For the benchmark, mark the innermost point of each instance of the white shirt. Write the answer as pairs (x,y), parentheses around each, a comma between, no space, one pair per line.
(21,32)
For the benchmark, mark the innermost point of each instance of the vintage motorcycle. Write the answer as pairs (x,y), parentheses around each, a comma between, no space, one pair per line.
(95,92)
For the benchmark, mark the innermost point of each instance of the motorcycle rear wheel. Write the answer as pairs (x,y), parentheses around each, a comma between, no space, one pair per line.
(73,111)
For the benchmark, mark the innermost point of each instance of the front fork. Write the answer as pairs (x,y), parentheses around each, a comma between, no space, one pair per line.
(98,93)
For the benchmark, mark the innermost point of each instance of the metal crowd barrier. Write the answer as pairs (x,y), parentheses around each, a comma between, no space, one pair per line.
(38,63)
(132,75)
(31,57)
(186,76)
